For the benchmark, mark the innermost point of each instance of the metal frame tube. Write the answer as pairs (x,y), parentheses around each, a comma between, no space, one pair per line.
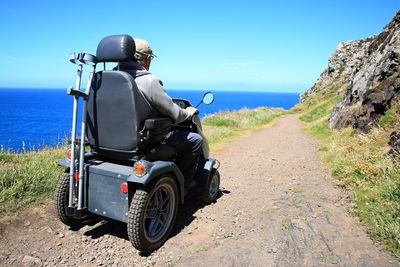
(73,138)
(82,143)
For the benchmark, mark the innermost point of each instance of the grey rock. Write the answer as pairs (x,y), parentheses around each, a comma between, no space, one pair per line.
(394,143)
(46,248)
(31,261)
(367,74)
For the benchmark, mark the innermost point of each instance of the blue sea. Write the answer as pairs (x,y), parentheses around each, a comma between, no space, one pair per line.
(33,118)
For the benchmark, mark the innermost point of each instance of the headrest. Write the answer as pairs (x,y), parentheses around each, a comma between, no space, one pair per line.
(116,48)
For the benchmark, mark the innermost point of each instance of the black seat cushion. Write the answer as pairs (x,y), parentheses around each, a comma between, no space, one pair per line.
(160,152)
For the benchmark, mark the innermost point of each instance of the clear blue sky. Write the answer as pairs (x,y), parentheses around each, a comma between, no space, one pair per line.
(248,45)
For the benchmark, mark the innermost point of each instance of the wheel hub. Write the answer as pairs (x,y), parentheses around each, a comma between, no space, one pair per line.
(159,212)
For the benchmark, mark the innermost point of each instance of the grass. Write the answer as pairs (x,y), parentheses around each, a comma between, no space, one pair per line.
(28,178)
(226,126)
(287,224)
(391,118)
(361,164)
(199,248)
(330,257)
(297,190)
(317,112)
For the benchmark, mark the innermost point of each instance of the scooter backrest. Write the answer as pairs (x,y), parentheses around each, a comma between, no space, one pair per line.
(116,109)
(116,48)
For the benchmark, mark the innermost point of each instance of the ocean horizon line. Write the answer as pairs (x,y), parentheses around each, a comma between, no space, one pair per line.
(174,89)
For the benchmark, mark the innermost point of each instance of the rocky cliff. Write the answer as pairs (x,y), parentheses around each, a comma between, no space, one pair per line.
(367,73)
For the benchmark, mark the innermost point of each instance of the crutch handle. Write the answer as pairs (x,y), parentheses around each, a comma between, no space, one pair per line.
(78,93)
(82,59)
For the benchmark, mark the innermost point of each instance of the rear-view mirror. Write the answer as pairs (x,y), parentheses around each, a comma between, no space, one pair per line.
(208,98)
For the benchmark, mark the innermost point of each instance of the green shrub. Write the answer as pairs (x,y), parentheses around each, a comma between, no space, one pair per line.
(391,118)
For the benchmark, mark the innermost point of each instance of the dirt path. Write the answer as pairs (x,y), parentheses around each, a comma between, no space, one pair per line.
(279,208)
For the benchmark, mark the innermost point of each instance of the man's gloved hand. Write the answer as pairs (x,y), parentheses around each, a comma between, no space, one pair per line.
(192,111)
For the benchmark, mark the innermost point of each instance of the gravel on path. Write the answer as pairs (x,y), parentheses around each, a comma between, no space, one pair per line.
(278,207)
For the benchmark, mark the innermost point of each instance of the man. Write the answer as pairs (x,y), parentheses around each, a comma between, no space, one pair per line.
(188,145)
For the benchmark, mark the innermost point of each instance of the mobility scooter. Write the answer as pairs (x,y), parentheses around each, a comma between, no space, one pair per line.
(119,168)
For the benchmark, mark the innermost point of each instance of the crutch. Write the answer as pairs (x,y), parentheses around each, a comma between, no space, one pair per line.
(79,59)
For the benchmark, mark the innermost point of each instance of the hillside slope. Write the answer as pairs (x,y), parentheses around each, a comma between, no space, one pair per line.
(354,109)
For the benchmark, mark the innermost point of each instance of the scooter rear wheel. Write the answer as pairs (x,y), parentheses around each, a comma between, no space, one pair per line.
(61,202)
(152,214)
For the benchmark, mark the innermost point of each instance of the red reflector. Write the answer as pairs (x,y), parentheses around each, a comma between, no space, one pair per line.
(124,187)
(76,176)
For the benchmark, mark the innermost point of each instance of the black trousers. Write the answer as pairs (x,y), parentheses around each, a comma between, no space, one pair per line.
(188,146)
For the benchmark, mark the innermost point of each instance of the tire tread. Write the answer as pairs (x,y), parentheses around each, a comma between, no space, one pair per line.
(136,213)
(60,198)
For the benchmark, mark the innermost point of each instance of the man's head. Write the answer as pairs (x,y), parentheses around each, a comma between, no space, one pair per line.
(143,53)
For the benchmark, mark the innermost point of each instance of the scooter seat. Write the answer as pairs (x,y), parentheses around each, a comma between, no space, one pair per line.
(160,152)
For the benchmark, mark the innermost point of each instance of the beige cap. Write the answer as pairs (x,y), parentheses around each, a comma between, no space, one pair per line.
(142,49)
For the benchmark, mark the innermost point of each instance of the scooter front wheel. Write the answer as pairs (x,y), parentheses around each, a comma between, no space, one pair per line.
(211,192)
(152,214)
